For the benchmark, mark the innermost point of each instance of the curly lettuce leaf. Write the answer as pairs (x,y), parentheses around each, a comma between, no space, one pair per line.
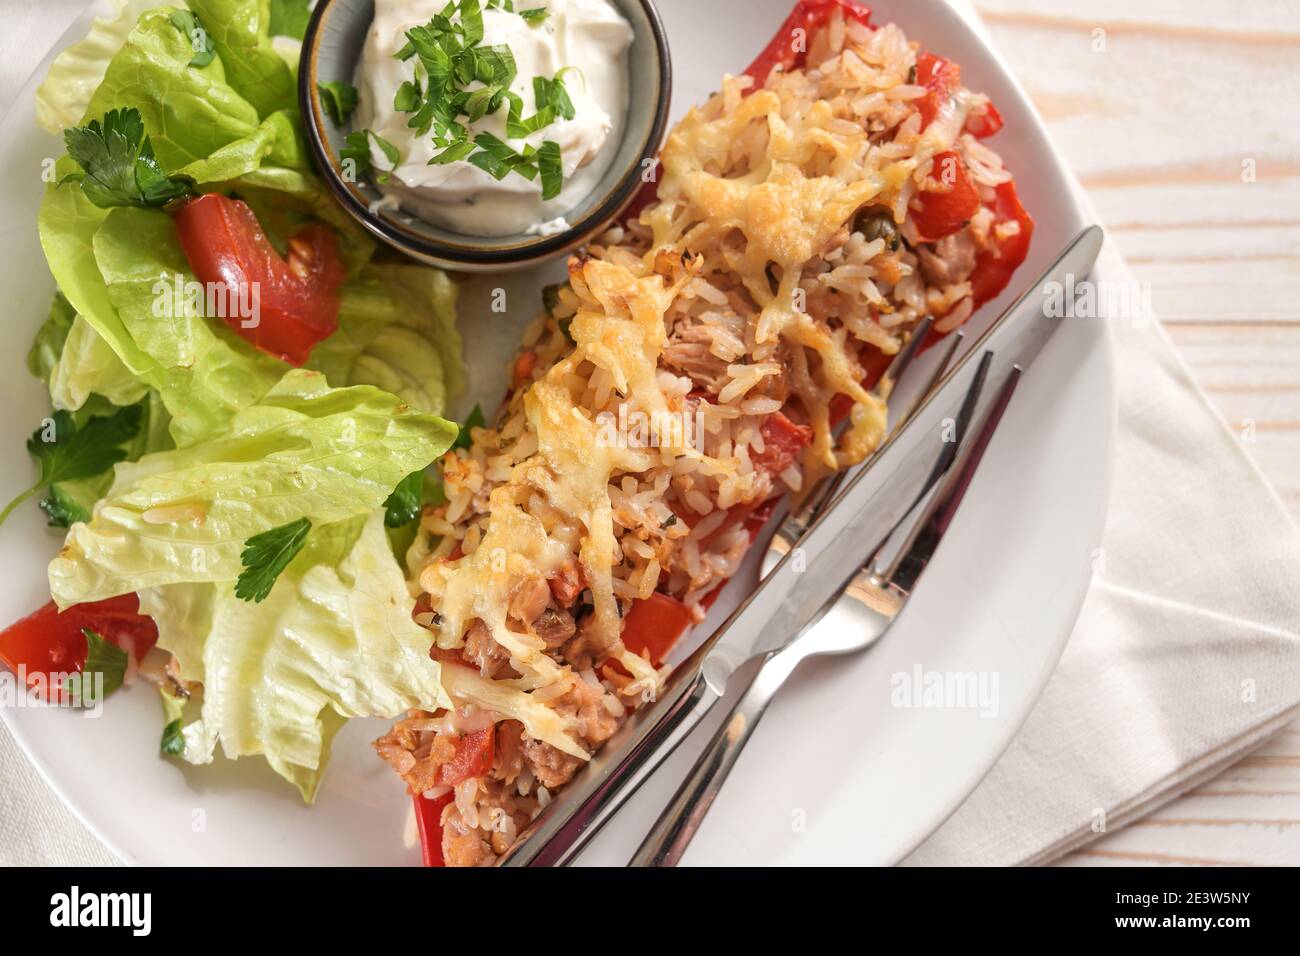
(63,96)
(304,451)
(333,640)
(86,366)
(240,30)
(46,348)
(204,373)
(397,331)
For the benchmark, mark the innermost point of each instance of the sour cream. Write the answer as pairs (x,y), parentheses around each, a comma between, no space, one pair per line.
(587,34)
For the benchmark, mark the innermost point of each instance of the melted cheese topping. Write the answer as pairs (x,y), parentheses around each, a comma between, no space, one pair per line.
(787,204)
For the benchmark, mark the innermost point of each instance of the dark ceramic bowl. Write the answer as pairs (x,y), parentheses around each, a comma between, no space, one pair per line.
(331,51)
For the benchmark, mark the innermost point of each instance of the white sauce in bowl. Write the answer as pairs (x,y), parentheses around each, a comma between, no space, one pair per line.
(587,34)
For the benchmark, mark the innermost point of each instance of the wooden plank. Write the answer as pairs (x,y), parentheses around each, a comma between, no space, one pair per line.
(1181,127)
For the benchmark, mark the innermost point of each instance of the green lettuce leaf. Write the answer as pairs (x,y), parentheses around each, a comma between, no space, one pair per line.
(240,30)
(86,365)
(48,344)
(333,640)
(397,331)
(63,96)
(304,451)
(204,372)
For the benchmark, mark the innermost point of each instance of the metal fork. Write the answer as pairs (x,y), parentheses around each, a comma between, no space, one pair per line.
(856,620)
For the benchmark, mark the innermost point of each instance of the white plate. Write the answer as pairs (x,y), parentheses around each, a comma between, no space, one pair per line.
(836,774)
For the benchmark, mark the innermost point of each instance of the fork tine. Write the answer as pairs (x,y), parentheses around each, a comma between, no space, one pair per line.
(954,344)
(935,518)
(904,358)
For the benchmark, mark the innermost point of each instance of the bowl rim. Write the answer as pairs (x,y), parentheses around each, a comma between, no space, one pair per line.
(532,249)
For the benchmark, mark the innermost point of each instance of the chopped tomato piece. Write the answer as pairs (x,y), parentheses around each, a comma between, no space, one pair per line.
(428,819)
(524,366)
(473,757)
(995,265)
(789,47)
(983,121)
(655,625)
(49,643)
(566,584)
(295,300)
(941,79)
(948,200)
(783,440)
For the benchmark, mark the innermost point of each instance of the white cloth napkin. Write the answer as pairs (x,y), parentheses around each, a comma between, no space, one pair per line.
(1186,655)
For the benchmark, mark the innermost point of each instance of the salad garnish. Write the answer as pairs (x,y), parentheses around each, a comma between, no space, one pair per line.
(461,78)
(340,99)
(66,453)
(117,163)
(266,555)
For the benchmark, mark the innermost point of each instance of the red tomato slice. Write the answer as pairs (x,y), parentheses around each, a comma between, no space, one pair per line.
(428,819)
(655,625)
(949,200)
(783,440)
(473,758)
(49,643)
(995,265)
(297,299)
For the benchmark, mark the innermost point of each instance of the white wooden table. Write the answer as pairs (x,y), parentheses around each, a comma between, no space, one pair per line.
(1182,119)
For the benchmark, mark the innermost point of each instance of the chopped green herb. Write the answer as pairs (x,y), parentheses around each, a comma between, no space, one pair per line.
(267,554)
(475,420)
(668,522)
(551,168)
(104,658)
(448,49)
(62,509)
(407,98)
(339,99)
(117,163)
(65,452)
(173,741)
(188,24)
(403,505)
(358,150)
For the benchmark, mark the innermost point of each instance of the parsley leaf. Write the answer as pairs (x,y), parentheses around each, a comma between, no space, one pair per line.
(551,167)
(289,18)
(200,42)
(265,555)
(403,505)
(475,420)
(173,741)
(102,657)
(407,98)
(118,165)
(339,99)
(358,150)
(451,55)
(63,510)
(66,453)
